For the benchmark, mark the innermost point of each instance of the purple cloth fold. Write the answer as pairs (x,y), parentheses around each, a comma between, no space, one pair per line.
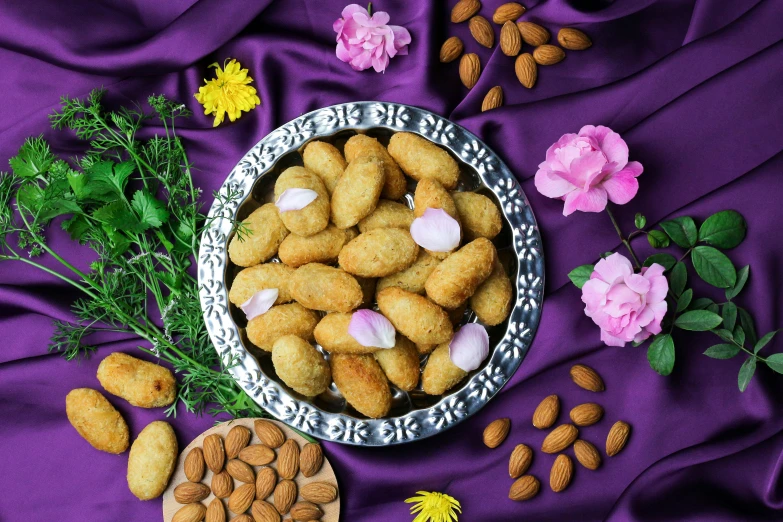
(693,86)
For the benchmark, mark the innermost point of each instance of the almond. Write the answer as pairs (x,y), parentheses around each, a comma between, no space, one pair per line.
(524,488)
(305,511)
(190,513)
(533,34)
(587,454)
(285,495)
(508,12)
(190,492)
(269,433)
(311,459)
(265,482)
(240,471)
(586,414)
(241,499)
(520,460)
(215,511)
(526,69)
(464,10)
(547,411)
(194,465)
(248,518)
(510,40)
(482,32)
(587,378)
(263,512)
(319,492)
(493,99)
(237,438)
(617,438)
(548,54)
(257,455)
(496,432)
(451,49)
(288,460)
(214,454)
(560,438)
(469,69)
(561,474)
(222,484)
(573,39)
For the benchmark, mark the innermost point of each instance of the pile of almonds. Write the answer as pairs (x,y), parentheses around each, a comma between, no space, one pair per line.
(512,36)
(559,439)
(243,473)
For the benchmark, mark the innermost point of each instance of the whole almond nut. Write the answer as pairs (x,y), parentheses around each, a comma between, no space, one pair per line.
(288,460)
(524,488)
(510,40)
(194,465)
(222,484)
(190,492)
(617,438)
(269,433)
(548,54)
(285,496)
(247,518)
(469,69)
(496,432)
(586,414)
(214,454)
(520,461)
(190,513)
(493,99)
(265,482)
(533,34)
(263,512)
(305,511)
(237,438)
(241,499)
(587,378)
(560,438)
(257,455)
(482,32)
(587,454)
(451,49)
(319,492)
(311,459)
(561,474)
(240,471)
(216,512)
(546,412)
(526,70)
(573,39)
(508,12)
(464,9)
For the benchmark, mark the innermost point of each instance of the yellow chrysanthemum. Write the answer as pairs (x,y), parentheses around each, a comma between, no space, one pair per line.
(434,507)
(229,93)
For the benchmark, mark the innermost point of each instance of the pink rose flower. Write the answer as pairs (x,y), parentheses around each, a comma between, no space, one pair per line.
(626,306)
(587,168)
(364,41)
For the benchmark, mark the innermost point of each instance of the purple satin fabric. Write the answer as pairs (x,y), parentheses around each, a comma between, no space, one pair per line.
(694,87)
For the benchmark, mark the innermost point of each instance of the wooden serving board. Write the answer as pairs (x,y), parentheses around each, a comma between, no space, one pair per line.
(170,506)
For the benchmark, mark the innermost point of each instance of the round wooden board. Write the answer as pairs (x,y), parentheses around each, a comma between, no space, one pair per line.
(170,506)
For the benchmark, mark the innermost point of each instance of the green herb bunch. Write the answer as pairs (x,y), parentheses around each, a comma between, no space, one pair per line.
(133,202)
(702,245)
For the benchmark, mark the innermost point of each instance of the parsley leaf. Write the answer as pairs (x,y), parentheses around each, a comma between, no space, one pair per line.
(152,212)
(34,158)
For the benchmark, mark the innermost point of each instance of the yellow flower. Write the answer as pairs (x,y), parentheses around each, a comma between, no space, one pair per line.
(229,93)
(434,507)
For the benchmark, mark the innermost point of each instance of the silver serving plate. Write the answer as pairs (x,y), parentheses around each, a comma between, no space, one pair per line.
(414,415)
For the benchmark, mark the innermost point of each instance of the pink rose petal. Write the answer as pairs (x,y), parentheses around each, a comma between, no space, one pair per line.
(469,347)
(259,303)
(372,329)
(295,199)
(436,231)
